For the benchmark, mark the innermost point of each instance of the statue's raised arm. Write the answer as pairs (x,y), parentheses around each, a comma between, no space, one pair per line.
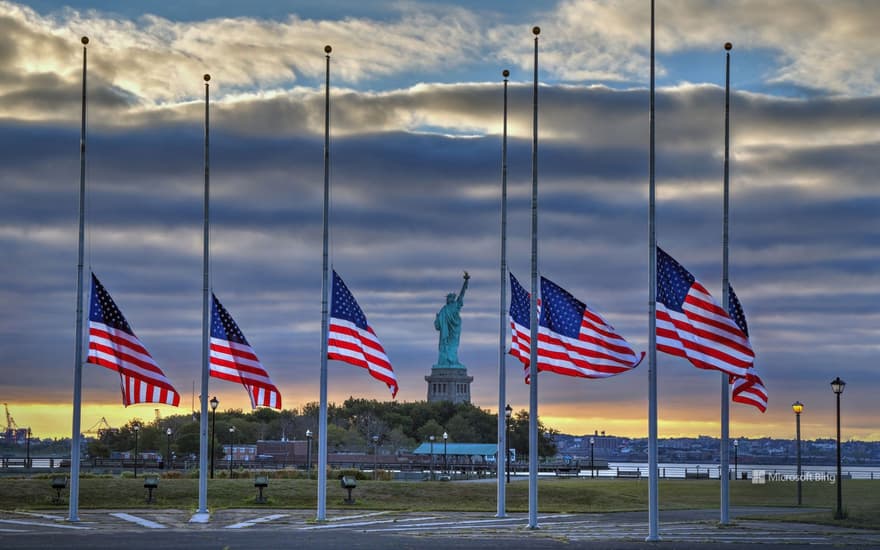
(464,286)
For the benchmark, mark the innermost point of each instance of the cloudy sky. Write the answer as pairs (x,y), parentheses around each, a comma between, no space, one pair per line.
(415,175)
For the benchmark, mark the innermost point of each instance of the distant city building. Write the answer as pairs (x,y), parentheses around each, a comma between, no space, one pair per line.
(281,451)
(240,453)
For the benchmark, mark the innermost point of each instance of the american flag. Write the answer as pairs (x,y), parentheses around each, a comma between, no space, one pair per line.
(520,334)
(749,390)
(352,340)
(573,340)
(576,341)
(112,344)
(692,325)
(233,359)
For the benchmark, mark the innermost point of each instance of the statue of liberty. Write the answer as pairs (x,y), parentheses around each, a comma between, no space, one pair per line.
(448,322)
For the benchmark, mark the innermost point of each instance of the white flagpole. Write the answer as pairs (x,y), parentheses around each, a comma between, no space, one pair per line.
(322,411)
(653,471)
(76,436)
(533,306)
(501,455)
(725,280)
(204,450)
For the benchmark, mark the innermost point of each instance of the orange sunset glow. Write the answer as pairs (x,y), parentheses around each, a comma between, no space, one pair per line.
(53,420)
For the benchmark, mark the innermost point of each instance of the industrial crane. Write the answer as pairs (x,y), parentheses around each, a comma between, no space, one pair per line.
(11,426)
(100,428)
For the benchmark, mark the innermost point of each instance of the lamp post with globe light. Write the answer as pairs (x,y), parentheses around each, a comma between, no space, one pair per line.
(137,428)
(375,455)
(508,412)
(431,439)
(214,402)
(837,386)
(231,448)
(798,408)
(308,453)
(168,448)
(735,459)
(445,463)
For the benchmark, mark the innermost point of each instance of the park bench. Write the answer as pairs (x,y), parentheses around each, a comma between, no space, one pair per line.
(59,483)
(696,475)
(261,482)
(150,483)
(564,471)
(348,483)
(630,474)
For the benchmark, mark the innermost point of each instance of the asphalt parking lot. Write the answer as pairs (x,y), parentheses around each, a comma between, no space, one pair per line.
(281,528)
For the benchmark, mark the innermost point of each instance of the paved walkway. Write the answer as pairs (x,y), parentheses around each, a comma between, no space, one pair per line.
(685,526)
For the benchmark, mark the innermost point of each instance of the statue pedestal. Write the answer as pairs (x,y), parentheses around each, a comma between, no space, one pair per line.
(449,384)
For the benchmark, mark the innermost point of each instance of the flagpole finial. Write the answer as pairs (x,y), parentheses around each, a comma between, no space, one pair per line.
(328,49)
(505,73)
(536,30)
(207,77)
(84,40)
(728,46)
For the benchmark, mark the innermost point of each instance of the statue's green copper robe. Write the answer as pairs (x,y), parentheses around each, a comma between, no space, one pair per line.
(448,322)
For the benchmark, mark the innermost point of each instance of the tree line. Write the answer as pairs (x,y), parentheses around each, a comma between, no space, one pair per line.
(399,428)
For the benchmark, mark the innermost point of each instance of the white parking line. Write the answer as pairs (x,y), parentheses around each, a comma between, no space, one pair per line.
(255,521)
(40,524)
(140,521)
(359,516)
(466,524)
(36,515)
(344,525)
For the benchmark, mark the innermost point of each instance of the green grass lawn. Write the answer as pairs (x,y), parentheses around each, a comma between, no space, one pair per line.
(861,497)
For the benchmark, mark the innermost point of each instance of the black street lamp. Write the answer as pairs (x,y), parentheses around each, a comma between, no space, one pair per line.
(431,439)
(445,463)
(375,455)
(168,448)
(798,407)
(736,459)
(231,448)
(214,402)
(137,428)
(592,467)
(508,412)
(308,453)
(28,448)
(837,386)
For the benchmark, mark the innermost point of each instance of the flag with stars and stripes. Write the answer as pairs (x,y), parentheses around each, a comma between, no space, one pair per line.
(112,344)
(352,340)
(750,389)
(520,334)
(233,359)
(574,340)
(692,325)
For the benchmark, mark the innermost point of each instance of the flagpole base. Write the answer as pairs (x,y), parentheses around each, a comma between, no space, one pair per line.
(653,539)
(200,517)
